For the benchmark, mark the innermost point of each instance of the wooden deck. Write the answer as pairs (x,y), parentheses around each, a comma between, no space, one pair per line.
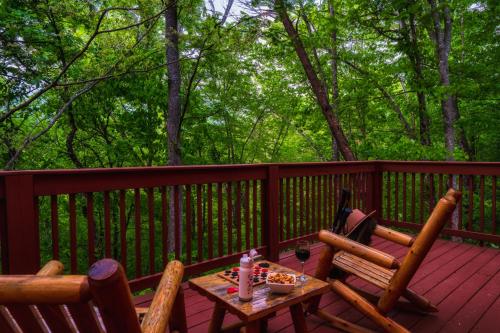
(461,279)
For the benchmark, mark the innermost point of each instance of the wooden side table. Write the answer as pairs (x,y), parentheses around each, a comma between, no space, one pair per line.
(264,304)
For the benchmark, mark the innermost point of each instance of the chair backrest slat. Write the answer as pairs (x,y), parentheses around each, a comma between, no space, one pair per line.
(25,318)
(7,323)
(55,318)
(84,317)
(423,243)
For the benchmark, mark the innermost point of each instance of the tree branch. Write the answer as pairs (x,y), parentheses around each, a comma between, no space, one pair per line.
(54,82)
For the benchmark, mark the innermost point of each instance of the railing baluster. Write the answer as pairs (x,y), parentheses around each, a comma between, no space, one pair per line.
(189,219)
(55,226)
(301,205)
(471,203)
(388,207)
(404,219)
(421,206)
(262,212)
(177,222)
(460,205)
(210,222)
(481,204)
(137,221)
(413,197)
(107,226)
(238,216)
(440,185)
(229,219)
(123,231)
(431,193)
(319,220)
(353,189)
(247,214)
(294,206)
(199,221)
(72,234)
(91,228)
(494,205)
(164,225)
(330,201)
(254,213)
(151,227)
(449,184)
(307,205)
(313,204)
(220,221)
(396,197)
(287,200)
(282,211)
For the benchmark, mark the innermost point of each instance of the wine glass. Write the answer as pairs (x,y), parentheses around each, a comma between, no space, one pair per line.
(302,252)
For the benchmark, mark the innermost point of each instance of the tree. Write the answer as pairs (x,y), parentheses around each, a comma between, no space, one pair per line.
(317,86)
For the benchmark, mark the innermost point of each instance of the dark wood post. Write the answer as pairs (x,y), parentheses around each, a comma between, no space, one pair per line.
(374,191)
(22,234)
(271,213)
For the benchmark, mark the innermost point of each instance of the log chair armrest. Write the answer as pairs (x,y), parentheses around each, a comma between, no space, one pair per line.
(158,315)
(53,267)
(394,236)
(345,244)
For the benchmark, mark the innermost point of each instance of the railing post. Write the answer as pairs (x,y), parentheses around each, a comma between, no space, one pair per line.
(271,224)
(22,234)
(374,191)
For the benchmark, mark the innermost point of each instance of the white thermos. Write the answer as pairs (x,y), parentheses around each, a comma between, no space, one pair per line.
(245,287)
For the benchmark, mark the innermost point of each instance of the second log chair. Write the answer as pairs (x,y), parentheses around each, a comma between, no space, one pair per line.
(380,269)
(98,302)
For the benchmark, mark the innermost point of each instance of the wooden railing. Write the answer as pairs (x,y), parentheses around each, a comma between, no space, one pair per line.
(410,191)
(207,216)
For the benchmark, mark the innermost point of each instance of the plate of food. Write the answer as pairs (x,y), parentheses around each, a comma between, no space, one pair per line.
(281,283)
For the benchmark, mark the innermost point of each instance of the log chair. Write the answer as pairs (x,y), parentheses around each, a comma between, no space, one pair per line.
(381,270)
(99,302)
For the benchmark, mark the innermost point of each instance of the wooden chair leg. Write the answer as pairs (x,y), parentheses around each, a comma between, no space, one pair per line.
(341,324)
(322,271)
(366,308)
(403,305)
(178,320)
(419,301)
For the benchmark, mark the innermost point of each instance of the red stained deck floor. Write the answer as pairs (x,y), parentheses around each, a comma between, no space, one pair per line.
(461,279)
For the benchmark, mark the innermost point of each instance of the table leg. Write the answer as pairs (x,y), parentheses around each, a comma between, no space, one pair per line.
(253,327)
(263,325)
(299,320)
(217,319)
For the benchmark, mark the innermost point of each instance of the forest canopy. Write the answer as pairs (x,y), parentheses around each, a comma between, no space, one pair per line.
(140,83)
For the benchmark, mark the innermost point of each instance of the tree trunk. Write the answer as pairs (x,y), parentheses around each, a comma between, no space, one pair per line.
(318,88)
(174,109)
(442,42)
(416,59)
(335,82)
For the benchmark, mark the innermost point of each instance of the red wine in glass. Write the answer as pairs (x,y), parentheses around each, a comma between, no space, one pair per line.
(302,252)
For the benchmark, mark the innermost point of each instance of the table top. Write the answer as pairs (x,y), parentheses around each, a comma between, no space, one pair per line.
(263,302)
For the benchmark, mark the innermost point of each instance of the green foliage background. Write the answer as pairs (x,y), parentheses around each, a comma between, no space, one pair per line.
(249,100)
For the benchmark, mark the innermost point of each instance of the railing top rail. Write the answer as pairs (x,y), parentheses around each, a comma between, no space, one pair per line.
(47,182)
(154,169)
(443,167)
(340,164)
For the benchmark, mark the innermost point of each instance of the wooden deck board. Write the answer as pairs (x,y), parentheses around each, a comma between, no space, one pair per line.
(463,280)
